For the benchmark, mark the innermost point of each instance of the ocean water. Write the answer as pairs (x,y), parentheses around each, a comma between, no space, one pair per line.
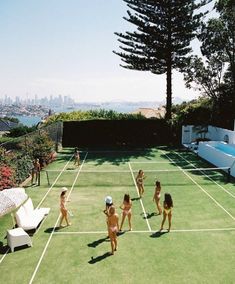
(28,120)
(118,107)
(124,108)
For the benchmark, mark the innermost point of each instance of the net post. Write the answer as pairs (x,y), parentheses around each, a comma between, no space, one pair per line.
(48,181)
(39,178)
(229,175)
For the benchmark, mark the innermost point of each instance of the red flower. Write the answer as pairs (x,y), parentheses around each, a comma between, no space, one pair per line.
(6,177)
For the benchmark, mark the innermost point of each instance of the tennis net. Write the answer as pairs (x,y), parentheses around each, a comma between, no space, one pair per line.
(103,178)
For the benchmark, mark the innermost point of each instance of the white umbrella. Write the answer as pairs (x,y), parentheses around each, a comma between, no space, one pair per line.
(11,199)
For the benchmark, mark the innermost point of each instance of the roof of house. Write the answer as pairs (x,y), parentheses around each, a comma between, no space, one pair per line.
(151,113)
(6,125)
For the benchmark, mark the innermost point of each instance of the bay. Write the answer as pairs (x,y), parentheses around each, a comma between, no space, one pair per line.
(122,107)
(28,120)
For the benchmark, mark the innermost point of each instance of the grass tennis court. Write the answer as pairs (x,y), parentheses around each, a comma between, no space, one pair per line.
(199,249)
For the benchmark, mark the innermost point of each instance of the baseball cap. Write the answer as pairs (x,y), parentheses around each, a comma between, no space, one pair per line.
(64,189)
(108,200)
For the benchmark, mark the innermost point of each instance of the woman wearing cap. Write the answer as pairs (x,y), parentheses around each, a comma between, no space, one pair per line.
(108,202)
(63,209)
(126,210)
(113,228)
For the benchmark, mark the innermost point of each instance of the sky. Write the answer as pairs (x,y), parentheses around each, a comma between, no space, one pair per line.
(64,47)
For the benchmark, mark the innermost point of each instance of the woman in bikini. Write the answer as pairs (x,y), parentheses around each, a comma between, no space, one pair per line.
(113,228)
(108,203)
(63,209)
(76,157)
(35,171)
(167,210)
(126,210)
(157,195)
(140,182)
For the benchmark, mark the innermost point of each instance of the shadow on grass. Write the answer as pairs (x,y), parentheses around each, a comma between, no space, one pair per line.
(122,232)
(99,258)
(50,230)
(149,215)
(6,249)
(72,168)
(100,241)
(3,248)
(158,234)
(97,242)
(135,198)
(23,247)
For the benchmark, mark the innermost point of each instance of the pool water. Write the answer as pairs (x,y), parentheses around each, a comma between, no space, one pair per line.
(219,154)
(225,148)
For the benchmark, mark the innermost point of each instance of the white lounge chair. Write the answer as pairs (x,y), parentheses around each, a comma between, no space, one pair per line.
(29,218)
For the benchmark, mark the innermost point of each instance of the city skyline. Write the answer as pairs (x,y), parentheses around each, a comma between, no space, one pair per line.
(51,100)
(58,47)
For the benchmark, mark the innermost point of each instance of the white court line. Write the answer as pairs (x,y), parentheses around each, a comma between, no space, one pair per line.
(224,189)
(151,162)
(41,203)
(141,202)
(116,151)
(212,198)
(204,230)
(150,171)
(155,162)
(50,237)
(143,231)
(133,162)
(4,255)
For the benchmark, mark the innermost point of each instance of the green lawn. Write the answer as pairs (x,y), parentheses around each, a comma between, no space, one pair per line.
(199,249)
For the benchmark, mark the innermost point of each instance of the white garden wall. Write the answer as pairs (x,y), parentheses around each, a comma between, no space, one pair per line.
(190,134)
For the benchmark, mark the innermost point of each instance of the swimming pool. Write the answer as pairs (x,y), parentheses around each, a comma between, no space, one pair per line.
(218,153)
(226,149)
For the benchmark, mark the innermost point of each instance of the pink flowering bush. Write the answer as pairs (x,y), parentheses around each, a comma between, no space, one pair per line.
(7,177)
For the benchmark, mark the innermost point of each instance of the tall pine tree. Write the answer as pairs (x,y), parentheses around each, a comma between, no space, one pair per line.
(161,42)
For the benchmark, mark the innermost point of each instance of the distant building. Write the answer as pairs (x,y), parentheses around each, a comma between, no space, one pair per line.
(151,113)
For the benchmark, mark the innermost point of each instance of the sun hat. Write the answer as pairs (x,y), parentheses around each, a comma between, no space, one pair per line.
(64,189)
(108,200)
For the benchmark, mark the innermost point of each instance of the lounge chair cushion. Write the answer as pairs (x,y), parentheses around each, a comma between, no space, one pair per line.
(29,218)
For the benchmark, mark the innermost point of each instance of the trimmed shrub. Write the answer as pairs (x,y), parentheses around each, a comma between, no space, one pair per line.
(23,167)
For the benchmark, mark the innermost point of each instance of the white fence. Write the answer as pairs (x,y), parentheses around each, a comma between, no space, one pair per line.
(191,133)
(219,158)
